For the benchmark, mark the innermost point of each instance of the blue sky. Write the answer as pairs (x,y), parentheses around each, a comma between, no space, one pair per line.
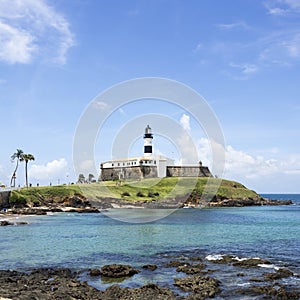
(242,56)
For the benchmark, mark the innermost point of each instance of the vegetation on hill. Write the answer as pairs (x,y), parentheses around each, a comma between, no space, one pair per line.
(36,196)
(168,187)
(132,191)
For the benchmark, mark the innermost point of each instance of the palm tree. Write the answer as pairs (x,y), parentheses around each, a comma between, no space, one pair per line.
(17,155)
(26,158)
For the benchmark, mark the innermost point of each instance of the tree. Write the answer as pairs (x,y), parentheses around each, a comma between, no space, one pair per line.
(81,178)
(17,155)
(26,158)
(91,177)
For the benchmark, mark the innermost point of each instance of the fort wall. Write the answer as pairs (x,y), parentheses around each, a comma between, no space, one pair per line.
(4,199)
(130,172)
(188,171)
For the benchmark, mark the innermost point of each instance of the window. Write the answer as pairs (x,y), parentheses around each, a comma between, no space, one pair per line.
(112,165)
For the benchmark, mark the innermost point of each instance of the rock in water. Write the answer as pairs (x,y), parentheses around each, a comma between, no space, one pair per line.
(117,271)
(146,292)
(202,286)
(5,223)
(150,267)
(95,272)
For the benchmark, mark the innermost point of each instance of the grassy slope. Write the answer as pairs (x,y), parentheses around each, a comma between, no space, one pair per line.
(39,194)
(166,188)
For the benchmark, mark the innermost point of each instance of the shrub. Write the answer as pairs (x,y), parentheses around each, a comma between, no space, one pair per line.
(17,200)
(140,194)
(36,203)
(152,195)
(125,194)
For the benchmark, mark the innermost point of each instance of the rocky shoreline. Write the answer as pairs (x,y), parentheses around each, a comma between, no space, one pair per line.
(195,278)
(81,204)
(193,201)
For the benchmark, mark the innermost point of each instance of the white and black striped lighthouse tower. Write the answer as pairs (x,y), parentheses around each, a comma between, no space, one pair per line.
(148,137)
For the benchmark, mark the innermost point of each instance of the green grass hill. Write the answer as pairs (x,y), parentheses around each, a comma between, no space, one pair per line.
(133,191)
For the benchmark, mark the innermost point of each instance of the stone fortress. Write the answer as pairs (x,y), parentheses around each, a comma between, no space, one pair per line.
(148,166)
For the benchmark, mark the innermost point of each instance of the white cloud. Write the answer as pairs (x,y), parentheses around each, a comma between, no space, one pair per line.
(30,29)
(292,46)
(265,48)
(87,166)
(231,26)
(282,7)
(282,48)
(51,170)
(245,69)
(100,105)
(244,166)
(186,146)
(15,45)
(185,122)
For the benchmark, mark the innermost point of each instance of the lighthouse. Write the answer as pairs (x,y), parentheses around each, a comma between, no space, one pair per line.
(148,137)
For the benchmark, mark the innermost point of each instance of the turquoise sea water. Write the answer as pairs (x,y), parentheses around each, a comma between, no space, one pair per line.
(83,241)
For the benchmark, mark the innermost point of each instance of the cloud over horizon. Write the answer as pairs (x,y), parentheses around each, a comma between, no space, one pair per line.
(240,165)
(50,171)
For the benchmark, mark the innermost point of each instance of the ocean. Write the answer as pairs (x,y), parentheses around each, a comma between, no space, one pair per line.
(84,241)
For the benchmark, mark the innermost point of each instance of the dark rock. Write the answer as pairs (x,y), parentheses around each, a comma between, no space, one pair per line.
(250,262)
(196,258)
(5,223)
(191,269)
(147,292)
(256,279)
(88,210)
(150,267)
(237,262)
(226,259)
(95,272)
(55,209)
(117,271)
(274,292)
(76,200)
(279,274)
(22,223)
(45,284)
(219,201)
(176,263)
(202,286)
(30,211)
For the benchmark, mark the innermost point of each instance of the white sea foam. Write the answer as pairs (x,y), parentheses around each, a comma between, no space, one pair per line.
(269,266)
(240,259)
(214,257)
(243,284)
